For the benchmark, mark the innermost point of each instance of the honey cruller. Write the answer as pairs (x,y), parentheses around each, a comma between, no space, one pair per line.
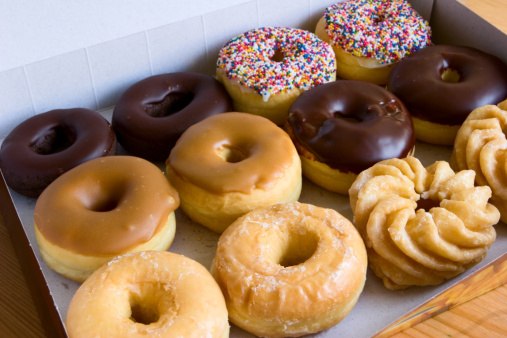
(421,225)
(481,145)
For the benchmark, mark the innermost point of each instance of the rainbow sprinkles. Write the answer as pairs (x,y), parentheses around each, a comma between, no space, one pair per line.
(276,60)
(386,30)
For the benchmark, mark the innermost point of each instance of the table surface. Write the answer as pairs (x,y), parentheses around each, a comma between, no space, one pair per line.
(484,316)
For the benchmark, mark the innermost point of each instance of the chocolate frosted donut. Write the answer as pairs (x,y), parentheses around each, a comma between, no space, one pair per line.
(346,127)
(46,145)
(442,84)
(152,114)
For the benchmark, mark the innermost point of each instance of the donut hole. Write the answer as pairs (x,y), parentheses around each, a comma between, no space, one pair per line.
(104,198)
(277,56)
(295,248)
(450,75)
(172,103)
(348,118)
(143,314)
(427,203)
(232,154)
(379,18)
(56,140)
(148,302)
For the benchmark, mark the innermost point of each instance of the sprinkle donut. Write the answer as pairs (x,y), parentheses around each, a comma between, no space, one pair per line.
(370,36)
(265,69)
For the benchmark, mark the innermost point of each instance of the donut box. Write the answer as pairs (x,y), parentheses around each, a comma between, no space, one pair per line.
(377,307)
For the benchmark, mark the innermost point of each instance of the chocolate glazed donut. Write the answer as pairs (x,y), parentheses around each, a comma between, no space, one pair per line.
(443,83)
(46,145)
(152,114)
(351,125)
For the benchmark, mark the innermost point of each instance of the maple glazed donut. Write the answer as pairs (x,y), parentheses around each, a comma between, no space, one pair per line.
(265,69)
(101,209)
(46,145)
(229,164)
(152,114)
(370,36)
(290,269)
(149,293)
(442,84)
(344,127)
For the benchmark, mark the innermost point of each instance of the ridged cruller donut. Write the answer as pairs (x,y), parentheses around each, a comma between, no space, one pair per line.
(290,269)
(480,145)
(148,294)
(421,225)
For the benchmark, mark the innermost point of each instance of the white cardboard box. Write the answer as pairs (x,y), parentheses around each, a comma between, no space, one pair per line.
(94,71)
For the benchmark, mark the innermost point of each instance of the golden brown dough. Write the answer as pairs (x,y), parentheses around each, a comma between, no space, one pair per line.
(290,269)
(148,294)
(420,225)
(481,145)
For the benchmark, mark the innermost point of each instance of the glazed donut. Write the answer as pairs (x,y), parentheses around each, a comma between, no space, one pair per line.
(422,226)
(344,127)
(151,115)
(370,36)
(265,69)
(290,269)
(46,145)
(231,163)
(442,84)
(480,146)
(101,209)
(153,293)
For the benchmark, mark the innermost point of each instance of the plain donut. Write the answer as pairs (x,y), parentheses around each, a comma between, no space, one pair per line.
(290,269)
(157,293)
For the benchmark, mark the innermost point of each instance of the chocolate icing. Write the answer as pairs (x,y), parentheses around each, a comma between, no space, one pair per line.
(46,145)
(153,113)
(417,81)
(351,125)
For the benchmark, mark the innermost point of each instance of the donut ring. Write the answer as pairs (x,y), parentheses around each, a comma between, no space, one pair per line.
(155,293)
(151,115)
(344,127)
(442,84)
(370,36)
(265,69)
(290,269)
(46,145)
(101,209)
(229,164)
